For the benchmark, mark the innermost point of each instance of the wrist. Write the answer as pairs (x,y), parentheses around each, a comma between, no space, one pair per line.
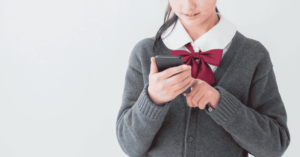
(153,99)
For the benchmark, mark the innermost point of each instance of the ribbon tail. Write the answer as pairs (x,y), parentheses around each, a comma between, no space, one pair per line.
(206,74)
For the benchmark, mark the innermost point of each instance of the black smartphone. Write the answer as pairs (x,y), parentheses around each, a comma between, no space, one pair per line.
(165,62)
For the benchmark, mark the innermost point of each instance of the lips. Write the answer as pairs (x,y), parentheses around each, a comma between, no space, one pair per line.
(191,15)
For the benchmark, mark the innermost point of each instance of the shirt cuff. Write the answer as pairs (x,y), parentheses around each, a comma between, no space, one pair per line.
(227,106)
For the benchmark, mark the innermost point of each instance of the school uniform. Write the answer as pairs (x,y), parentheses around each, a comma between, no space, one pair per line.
(250,118)
(178,38)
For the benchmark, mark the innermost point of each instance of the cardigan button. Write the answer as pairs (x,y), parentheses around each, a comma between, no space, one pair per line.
(191,138)
(210,109)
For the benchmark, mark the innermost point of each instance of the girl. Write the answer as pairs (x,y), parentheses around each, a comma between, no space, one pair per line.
(234,107)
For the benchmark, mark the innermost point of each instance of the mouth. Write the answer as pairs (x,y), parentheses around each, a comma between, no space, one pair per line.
(191,15)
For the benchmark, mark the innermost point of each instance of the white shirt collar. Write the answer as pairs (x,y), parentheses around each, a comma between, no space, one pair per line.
(217,37)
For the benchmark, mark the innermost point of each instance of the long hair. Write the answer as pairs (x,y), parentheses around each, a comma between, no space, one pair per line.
(167,23)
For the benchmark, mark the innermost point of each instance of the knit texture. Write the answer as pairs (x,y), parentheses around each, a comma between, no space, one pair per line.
(250,118)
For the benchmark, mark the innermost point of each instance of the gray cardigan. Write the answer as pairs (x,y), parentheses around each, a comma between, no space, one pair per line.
(251,116)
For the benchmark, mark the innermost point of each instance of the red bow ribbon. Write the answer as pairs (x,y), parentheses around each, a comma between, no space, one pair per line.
(200,69)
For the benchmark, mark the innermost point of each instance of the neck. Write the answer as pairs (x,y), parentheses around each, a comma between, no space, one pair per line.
(196,31)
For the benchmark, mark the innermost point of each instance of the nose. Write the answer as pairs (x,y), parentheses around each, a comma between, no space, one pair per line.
(189,6)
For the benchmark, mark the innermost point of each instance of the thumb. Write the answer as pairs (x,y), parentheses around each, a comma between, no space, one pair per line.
(193,83)
(153,68)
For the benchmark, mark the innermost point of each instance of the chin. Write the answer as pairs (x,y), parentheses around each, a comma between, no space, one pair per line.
(186,21)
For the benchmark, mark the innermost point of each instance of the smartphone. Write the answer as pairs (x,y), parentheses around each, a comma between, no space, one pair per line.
(165,62)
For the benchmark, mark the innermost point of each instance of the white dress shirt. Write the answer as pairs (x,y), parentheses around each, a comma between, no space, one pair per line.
(218,37)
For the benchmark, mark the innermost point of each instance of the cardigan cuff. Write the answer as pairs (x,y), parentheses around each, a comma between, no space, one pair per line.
(145,105)
(227,106)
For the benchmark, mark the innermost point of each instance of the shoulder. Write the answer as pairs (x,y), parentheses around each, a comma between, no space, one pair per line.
(144,43)
(258,56)
(141,50)
(248,46)
(255,47)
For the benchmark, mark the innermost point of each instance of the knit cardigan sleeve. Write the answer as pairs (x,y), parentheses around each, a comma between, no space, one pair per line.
(139,119)
(260,126)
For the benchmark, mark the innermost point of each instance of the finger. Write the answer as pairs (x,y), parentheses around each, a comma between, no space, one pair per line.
(188,101)
(196,98)
(153,67)
(186,82)
(173,71)
(203,102)
(193,83)
(190,96)
(179,78)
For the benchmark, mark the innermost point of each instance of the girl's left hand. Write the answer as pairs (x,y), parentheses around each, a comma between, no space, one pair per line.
(201,94)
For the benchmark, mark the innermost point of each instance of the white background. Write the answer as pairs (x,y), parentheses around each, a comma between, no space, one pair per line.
(63,64)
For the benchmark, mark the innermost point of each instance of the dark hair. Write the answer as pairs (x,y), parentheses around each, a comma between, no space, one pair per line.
(167,23)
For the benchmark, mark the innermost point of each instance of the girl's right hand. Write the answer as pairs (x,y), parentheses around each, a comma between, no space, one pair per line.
(163,86)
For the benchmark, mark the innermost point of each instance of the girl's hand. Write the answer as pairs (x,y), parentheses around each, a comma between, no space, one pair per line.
(166,85)
(201,94)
